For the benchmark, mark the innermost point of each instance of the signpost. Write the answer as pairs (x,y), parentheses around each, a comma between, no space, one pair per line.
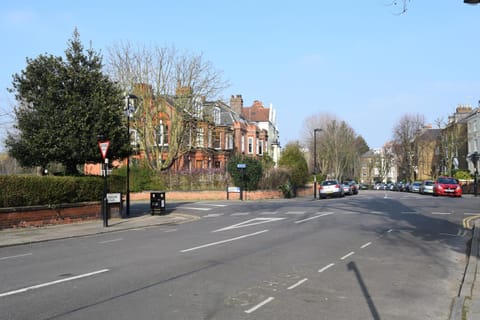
(103,145)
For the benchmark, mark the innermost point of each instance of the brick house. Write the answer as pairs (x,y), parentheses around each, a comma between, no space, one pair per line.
(216,131)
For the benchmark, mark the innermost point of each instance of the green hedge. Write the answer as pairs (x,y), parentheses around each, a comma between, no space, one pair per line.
(19,191)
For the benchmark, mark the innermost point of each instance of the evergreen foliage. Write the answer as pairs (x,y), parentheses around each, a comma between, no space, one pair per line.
(63,106)
(252,175)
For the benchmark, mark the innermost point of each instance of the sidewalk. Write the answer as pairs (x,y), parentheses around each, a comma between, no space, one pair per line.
(11,237)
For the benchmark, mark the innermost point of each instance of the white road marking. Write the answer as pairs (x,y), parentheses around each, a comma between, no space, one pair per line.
(315,217)
(295,212)
(113,240)
(440,213)
(251,222)
(328,266)
(448,234)
(389,230)
(16,256)
(471,214)
(224,241)
(409,212)
(170,230)
(366,245)
(195,208)
(297,284)
(46,284)
(376,212)
(261,304)
(347,255)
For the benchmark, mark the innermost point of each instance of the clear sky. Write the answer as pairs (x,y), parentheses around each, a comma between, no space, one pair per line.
(358,60)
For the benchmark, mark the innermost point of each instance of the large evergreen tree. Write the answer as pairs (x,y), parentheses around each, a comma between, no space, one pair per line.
(63,106)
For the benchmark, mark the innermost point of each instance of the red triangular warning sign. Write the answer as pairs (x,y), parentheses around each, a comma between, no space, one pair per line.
(103,145)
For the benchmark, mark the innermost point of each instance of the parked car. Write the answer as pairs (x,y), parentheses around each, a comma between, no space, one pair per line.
(330,188)
(415,186)
(426,187)
(447,186)
(355,186)
(347,188)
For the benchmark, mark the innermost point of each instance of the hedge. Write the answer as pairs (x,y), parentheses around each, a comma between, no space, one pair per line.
(27,190)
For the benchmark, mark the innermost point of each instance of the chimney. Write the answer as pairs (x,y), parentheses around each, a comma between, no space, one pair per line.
(236,103)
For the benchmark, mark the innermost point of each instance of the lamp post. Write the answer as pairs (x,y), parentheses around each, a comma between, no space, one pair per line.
(474,157)
(130,109)
(315,162)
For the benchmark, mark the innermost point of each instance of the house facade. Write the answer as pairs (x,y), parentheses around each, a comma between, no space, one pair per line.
(212,132)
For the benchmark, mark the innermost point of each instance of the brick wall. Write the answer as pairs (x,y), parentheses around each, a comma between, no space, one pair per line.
(61,214)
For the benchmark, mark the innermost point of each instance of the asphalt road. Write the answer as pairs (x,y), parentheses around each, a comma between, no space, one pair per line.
(376,255)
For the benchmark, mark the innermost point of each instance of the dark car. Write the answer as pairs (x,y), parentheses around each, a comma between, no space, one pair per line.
(447,186)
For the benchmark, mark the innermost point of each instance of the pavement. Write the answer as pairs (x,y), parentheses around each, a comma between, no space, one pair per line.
(19,236)
(466,306)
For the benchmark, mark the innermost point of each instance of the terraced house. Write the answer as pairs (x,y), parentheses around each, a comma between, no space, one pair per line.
(185,133)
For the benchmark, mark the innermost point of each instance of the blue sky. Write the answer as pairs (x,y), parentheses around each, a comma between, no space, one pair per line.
(358,60)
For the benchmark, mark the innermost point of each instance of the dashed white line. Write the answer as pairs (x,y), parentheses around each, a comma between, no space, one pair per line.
(295,212)
(38,286)
(366,245)
(314,217)
(195,208)
(328,266)
(224,241)
(213,215)
(347,255)
(441,213)
(113,240)
(261,304)
(16,256)
(297,284)
(170,230)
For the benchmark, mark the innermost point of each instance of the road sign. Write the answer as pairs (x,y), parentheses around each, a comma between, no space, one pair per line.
(241,166)
(103,145)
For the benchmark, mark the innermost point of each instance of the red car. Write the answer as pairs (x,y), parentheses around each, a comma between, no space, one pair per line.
(447,186)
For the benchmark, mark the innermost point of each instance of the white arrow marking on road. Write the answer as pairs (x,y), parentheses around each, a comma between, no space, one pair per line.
(248,223)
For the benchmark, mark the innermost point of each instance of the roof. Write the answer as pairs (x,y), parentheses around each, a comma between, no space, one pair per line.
(257,112)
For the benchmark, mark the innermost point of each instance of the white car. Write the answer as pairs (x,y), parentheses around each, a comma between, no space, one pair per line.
(330,188)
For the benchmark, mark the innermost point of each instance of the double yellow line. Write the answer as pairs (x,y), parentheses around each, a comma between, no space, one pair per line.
(466,221)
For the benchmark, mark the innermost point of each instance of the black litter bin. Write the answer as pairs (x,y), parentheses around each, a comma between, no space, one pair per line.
(157,202)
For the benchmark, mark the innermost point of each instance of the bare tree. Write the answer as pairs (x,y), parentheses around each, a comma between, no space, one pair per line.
(404,134)
(171,86)
(336,149)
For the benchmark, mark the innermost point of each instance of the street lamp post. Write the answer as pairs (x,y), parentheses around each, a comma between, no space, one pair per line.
(474,157)
(130,109)
(315,162)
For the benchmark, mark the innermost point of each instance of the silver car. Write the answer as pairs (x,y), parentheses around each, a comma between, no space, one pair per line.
(426,187)
(330,188)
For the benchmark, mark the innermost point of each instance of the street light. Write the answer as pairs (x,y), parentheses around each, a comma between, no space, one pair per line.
(130,109)
(315,162)
(474,157)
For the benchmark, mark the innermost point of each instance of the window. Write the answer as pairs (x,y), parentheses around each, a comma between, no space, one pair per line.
(200,137)
(217,138)
(229,141)
(197,108)
(216,115)
(250,145)
(162,134)
(260,147)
